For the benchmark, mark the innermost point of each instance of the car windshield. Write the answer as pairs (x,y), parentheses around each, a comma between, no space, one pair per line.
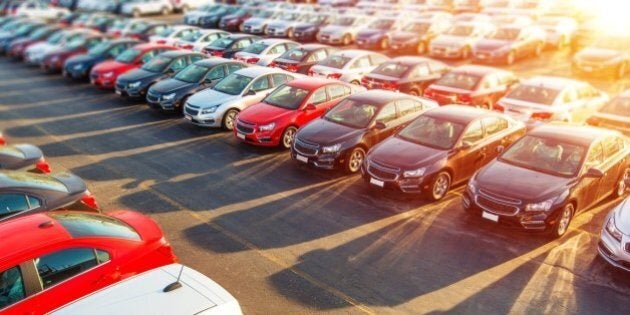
(460,30)
(297,54)
(391,69)
(157,64)
(39,33)
(335,61)
(343,21)
(165,32)
(82,224)
(534,94)
(620,105)
(75,42)
(256,48)
(129,55)
(506,34)
(352,114)
(56,37)
(99,49)
(192,73)
(263,14)
(551,156)
(223,42)
(233,84)
(139,27)
(456,80)
(192,36)
(381,24)
(432,132)
(287,97)
(419,28)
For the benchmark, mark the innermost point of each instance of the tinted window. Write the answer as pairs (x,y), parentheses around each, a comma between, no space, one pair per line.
(178,64)
(279,49)
(387,114)
(362,62)
(94,225)
(473,133)
(545,155)
(12,203)
(337,91)
(279,79)
(148,55)
(116,50)
(234,67)
(595,156)
(216,73)
(352,114)
(611,147)
(11,287)
(318,97)
(393,69)
(65,264)
(286,96)
(459,80)
(195,58)
(33,202)
(494,125)
(408,107)
(534,94)
(260,84)
(421,71)
(432,132)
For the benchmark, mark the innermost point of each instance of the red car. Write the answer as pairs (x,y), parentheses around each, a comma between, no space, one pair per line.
(53,61)
(275,120)
(471,85)
(50,259)
(2,141)
(104,74)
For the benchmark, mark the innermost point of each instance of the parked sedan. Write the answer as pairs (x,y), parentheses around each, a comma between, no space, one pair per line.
(348,65)
(441,148)
(134,84)
(54,60)
(472,85)
(300,59)
(196,41)
(234,22)
(257,23)
(559,30)
(35,53)
(509,44)
(375,34)
(282,25)
(79,67)
(307,29)
(341,138)
(342,30)
(264,51)
(172,94)
(411,75)
(210,18)
(17,47)
(543,99)
(457,42)
(573,168)
(615,232)
(68,255)
(275,120)
(227,46)
(219,105)
(614,115)
(417,35)
(143,30)
(607,56)
(172,34)
(23,157)
(22,31)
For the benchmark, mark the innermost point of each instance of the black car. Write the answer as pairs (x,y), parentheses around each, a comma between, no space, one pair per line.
(614,115)
(102,23)
(441,148)
(347,131)
(307,31)
(608,56)
(409,75)
(227,46)
(22,192)
(23,157)
(171,94)
(211,18)
(134,84)
(302,58)
(79,67)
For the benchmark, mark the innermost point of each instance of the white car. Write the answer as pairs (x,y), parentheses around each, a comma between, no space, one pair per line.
(40,10)
(137,8)
(348,65)
(343,29)
(219,105)
(187,5)
(615,236)
(170,35)
(172,289)
(34,54)
(543,99)
(457,42)
(559,30)
(263,52)
(199,39)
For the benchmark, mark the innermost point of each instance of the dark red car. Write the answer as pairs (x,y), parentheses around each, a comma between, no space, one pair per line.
(104,74)
(53,61)
(50,259)
(275,120)
(471,85)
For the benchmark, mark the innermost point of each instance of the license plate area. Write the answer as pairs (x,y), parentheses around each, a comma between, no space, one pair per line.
(490,216)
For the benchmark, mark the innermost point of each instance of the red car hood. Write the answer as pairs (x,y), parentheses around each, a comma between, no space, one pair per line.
(262,113)
(113,65)
(147,228)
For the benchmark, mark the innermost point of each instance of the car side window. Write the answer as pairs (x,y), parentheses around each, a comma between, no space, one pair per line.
(490,82)
(587,92)
(13,203)
(494,125)
(387,113)
(318,97)
(278,49)
(62,265)
(377,59)
(233,67)
(215,73)
(406,107)
(473,133)
(210,38)
(420,71)
(148,55)
(611,147)
(33,203)
(362,62)
(195,58)
(595,155)
(279,79)
(336,91)
(260,84)
(116,50)
(178,64)
(11,287)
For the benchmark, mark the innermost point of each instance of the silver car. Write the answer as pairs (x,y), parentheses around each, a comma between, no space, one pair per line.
(348,65)
(257,24)
(219,105)
(458,41)
(342,30)
(614,244)
(285,24)
(263,52)
(560,30)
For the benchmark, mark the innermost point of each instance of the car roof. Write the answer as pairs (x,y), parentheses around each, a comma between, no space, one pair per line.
(556,83)
(378,97)
(178,53)
(353,53)
(311,47)
(257,71)
(211,62)
(149,46)
(17,179)
(312,83)
(411,60)
(459,113)
(478,70)
(27,232)
(576,134)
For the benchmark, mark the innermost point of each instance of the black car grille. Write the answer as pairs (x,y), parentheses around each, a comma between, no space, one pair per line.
(305,148)
(244,127)
(381,171)
(153,97)
(496,205)
(191,111)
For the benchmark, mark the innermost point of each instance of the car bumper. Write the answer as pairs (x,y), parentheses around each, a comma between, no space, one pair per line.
(51,66)
(303,36)
(445,53)
(162,105)
(613,251)
(329,40)
(403,46)
(322,161)
(403,185)
(209,121)
(368,44)
(103,83)
(490,58)
(267,139)
(73,73)
(253,29)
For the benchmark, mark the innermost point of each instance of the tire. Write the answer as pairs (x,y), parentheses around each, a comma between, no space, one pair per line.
(229,118)
(510,58)
(440,185)
(539,49)
(290,33)
(422,48)
(346,40)
(562,224)
(621,188)
(136,13)
(384,43)
(165,11)
(465,52)
(182,104)
(414,92)
(355,82)
(485,105)
(354,160)
(287,137)
(264,30)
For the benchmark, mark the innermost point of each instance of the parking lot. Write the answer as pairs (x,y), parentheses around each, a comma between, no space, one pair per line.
(286,239)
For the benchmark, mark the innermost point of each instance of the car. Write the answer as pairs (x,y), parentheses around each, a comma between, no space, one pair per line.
(508,44)
(3,141)
(300,59)
(441,148)
(559,30)
(227,46)
(614,115)
(342,29)
(342,136)
(24,192)
(196,41)
(282,25)
(512,20)
(105,74)
(219,105)
(257,23)
(457,41)
(40,10)
(23,157)
(375,34)
(172,289)
(53,61)
(542,99)
(608,56)
(137,8)
(348,65)
(192,17)
(210,18)
(116,29)
(171,94)
(532,8)
(184,6)
(17,47)
(172,34)
(69,255)
(134,84)
(472,85)
(20,32)
(275,120)
(80,66)
(35,54)
(264,51)
(407,74)
(102,22)
(307,29)
(144,30)
(613,235)
(233,22)
(472,18)
(574,167)
(417,35)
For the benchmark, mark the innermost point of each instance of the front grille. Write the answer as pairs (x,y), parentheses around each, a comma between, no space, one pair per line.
(152,97)
(381,171)
(500,198)
(305,148)
(244,127)
(120,86)
(496,207)
(191,111)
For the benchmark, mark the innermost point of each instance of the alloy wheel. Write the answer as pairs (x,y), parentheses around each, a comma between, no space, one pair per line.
(228,120)
(621,185)
(565,219)
(287,137)
(355,160)
(440,187)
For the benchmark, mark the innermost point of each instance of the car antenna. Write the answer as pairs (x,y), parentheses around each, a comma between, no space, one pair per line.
(175,285)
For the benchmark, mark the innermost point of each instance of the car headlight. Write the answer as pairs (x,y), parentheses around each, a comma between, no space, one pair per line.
(612,229)
(332,148)
(471,187)
(267,127)
(78,67)
(209,110)
(415,173)
(134,85)
(540,206)
(168,97)
(108,74)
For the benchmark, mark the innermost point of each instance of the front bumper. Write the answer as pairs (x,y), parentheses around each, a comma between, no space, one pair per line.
(368,43)
(327,161)
(102,82)
(250,134)
(76,73)
(158,103)
(445,52)
(276,32)
(613,251)
(489,57)
(329,39)
(399,184)
(206,120)
(303,36)
(124,90)
(52,66)
(258,29)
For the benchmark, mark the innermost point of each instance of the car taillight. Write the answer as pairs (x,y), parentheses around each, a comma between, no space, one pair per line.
(334,76)
(161,41)
(89,200)
(273,64)
(429,93)
(187,46)
(252,60)
(498,107)
(542,116)
(217,53)
(593,121)
(464,98)
(390,86)
(310,73)
(43,166)
(292,68)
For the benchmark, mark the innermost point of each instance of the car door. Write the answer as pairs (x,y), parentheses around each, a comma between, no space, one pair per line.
(388,116)
(360,66)
(472,151)
(498,136)
(319,98)
(587,190)
(260,86)
(213,76)
(613,165)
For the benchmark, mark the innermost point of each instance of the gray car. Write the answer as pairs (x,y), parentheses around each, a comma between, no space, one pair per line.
(219,105)
(342,30)
(23,157)
(614,244)
(348,65)
(285,24)
(257,24)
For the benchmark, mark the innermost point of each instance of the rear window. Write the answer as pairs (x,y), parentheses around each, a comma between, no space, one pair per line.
(392,69)
(94,225)
(21,179)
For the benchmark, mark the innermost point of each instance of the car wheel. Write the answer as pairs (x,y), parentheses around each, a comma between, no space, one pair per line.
(241,27)
(229,118)
(562,224)
(422,48)
(290,33)
(264,29)
(414,92)
(622,184)
(466,52)
(509,59)
(185,8)
(287,137)
(136,13)
(355,160)
(165,11)
(539,49)
(384,43)
(182,104)
(440,186)
(621,71)
(346,40)
(355,82)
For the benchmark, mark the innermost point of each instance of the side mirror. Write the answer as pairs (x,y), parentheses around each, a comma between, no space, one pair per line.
(594,173)
(465,145)
(500,149)
(251,92)
(310,107)
(379,125)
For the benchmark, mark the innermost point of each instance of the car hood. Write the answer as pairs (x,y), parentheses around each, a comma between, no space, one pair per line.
(491,44)
(137,75)
(263,113)
(170,85)
(598,54)
(324,132)
(622,217)
(404,154)
(513,181)
(449,40)
(210,97)
(73,183)
(84,59)
(111,65)
(401,36)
